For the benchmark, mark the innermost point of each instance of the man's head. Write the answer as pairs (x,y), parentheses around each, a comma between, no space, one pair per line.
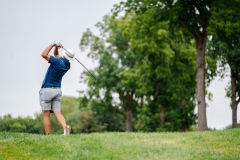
(68,54)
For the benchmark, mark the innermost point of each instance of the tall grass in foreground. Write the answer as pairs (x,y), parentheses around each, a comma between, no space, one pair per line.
(125,146)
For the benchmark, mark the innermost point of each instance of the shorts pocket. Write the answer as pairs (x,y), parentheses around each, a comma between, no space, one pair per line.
(45,95)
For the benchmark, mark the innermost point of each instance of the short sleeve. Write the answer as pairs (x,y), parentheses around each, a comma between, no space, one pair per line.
(52,59)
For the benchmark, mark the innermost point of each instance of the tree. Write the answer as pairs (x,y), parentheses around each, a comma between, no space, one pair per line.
(19,124)
(225,46)
(138,75)
(193,17)
(116,78)
(84,122)
(92,116)
(165,68)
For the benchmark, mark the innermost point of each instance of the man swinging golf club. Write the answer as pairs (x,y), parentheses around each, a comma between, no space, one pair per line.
(50,93)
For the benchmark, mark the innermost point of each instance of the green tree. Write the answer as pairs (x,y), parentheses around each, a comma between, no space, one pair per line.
(18,127)
(5,122)
(141,65)
(116,79)
(165,69)
(225,46)
(111,120)
(193,17)
(19,124)
(84,122)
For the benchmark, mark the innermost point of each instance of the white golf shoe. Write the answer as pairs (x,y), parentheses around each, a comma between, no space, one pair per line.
(67,130)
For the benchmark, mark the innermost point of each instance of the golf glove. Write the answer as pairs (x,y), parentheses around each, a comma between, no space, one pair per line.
(56,44)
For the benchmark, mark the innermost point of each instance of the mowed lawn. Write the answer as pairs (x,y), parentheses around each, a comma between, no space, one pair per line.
(125,146)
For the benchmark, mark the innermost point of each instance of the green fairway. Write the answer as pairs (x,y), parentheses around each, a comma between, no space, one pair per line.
(192,145)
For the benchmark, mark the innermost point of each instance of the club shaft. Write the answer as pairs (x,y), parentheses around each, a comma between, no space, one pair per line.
(85,67)
(82,65)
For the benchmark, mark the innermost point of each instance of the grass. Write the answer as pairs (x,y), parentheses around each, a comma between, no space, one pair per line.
(122,146)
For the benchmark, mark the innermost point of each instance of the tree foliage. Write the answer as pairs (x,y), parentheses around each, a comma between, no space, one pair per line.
(225,47)
(166,62)
(144,70)
(193,17)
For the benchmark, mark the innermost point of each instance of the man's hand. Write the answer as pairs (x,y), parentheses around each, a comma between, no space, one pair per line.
(60,45)
(56,44)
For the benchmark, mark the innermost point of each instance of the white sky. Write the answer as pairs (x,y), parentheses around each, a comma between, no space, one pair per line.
(27,27)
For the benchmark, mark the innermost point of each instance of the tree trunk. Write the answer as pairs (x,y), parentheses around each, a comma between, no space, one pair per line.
(201,102)
(186,125)
(162,112)
(162,120)
(234,102)
(129,121)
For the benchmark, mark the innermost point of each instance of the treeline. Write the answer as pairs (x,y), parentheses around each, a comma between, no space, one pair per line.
(151,85)
(156,59)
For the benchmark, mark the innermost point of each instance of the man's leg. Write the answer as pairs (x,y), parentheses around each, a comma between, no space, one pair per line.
(45,97)
(56,107)
(60,118)
(46,121)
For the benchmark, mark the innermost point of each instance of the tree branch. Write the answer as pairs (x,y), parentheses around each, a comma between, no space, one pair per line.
(117,110)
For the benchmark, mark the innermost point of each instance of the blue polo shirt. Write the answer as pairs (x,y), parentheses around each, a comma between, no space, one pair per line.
(58,67)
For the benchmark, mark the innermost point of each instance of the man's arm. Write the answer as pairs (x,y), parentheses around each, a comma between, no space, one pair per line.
(45,53)
(56,53)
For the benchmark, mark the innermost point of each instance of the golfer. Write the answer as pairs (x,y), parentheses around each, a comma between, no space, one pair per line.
(50,93)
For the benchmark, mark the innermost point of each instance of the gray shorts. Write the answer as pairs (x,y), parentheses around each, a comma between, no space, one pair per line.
(50,99)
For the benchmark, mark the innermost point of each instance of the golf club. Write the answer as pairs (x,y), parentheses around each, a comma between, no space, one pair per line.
(84,67)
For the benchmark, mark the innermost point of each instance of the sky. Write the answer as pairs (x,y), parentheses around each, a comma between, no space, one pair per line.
(29,26)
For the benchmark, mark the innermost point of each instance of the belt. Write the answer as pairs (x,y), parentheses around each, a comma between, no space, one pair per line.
(49,87)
